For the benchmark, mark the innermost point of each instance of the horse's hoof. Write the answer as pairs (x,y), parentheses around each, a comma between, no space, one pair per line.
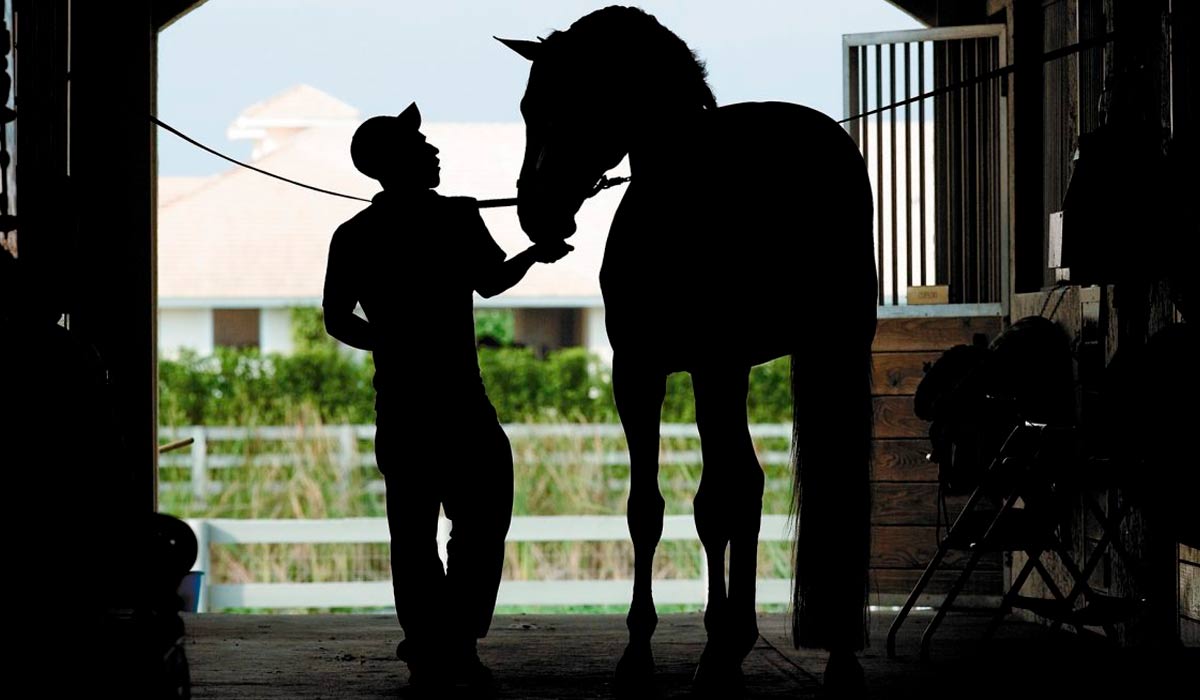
(742,638)
(719,673)
(843,674)
(636,667)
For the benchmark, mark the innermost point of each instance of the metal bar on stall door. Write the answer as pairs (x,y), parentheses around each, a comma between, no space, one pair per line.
(908,210)
(895,223)
(879,161)
(921,154)
(865,122)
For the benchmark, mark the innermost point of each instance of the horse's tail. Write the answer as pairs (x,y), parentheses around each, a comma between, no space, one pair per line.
(832,419)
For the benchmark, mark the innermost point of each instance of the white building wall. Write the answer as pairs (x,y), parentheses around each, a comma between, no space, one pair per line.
(595,335)
(185,328)
(275,331)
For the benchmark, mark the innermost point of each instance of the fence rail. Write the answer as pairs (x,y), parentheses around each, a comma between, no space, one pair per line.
(348,453)
(370,594)
(350,443)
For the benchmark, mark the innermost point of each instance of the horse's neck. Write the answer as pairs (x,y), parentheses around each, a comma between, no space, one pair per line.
(663,148)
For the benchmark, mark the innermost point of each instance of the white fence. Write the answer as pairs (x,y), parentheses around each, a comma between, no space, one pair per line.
(349,454)
(369,594)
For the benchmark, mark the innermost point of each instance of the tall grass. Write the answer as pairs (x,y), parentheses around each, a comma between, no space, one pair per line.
(553,476)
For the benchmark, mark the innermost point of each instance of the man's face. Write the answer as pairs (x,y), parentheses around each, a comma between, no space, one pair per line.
(422,162)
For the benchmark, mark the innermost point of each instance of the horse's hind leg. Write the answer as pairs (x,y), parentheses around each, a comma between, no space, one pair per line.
(728,513)
(639,394)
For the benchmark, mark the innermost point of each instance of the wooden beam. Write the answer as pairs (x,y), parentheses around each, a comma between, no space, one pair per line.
(902,460)
(1025,147)
(911,547)
(912,504)
(883,581)
(894,418)
(899,373)
(931,334)
(111,197)
(933,13)
(164,13)
(45,229)
(924,11)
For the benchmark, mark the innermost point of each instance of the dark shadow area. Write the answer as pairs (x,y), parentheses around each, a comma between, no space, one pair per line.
(570,656)
(104,591)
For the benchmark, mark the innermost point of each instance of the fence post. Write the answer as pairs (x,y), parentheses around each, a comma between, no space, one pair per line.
(203,560)
(199,464)
(347,450)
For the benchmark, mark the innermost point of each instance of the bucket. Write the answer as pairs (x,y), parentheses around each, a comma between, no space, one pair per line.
(189,590)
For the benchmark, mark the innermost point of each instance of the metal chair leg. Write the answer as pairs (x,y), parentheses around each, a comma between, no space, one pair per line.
(1006,603)
(911,601)
(959,583)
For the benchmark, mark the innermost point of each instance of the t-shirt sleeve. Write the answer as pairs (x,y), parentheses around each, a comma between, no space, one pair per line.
(341,289)
(483,251)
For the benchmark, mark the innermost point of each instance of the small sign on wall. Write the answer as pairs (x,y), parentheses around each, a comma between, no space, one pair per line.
(932,294)
(1056,232)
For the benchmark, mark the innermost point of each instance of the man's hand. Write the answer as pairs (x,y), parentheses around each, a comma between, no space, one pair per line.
(550,252)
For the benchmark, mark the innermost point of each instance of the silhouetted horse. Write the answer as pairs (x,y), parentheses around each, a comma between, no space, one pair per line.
(744,236)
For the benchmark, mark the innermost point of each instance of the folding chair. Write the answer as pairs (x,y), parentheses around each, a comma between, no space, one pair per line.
(1022,483)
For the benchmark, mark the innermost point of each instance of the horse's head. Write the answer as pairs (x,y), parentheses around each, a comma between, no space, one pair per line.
(572,136)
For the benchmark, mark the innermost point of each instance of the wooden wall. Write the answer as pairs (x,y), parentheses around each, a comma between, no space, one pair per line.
(1096,324)
(1189,595)
(904,484)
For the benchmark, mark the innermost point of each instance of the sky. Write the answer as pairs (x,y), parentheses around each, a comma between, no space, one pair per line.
(379,55)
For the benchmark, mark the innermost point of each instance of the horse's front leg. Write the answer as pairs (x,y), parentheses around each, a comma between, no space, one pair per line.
(639,393)
(728,513)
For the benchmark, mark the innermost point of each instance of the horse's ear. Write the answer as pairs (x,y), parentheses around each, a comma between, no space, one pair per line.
(530,50)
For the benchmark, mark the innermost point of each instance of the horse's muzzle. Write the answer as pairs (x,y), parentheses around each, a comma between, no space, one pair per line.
(545,223)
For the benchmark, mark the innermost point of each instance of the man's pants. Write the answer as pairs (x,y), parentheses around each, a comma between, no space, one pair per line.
(470,475)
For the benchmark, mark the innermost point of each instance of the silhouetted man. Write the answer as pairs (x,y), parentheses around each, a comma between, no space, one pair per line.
(412,260)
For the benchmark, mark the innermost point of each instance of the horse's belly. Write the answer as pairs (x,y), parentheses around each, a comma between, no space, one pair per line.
(686,314)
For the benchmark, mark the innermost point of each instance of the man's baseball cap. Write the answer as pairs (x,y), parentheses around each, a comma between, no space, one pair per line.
(379,140)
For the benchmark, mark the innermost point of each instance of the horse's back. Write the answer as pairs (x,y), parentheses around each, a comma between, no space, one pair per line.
(790,161)
(768,216)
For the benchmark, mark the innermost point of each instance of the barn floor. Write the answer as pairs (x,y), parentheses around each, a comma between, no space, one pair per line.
(573,656)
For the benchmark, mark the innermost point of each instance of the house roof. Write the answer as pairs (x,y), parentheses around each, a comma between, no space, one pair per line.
(243,239)
(299,103)
(172,188)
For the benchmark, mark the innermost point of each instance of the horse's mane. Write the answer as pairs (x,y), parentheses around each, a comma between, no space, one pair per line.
(629,37)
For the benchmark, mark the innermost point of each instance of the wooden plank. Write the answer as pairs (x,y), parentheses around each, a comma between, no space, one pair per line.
(902,581)
(911,547)
(902,460)
(910,504)
(894,418)
(564,657)
(1189,554)
(1189,590)
(931,334)
(1061,305)
(1189,632)
(899,373)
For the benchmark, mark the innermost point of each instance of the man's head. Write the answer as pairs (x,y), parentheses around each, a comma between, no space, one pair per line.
(394,151)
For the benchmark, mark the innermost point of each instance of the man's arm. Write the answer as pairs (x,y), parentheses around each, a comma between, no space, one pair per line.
(340,298)
(494,279)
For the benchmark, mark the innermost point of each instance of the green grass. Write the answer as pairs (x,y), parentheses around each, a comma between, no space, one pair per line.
(552,477)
